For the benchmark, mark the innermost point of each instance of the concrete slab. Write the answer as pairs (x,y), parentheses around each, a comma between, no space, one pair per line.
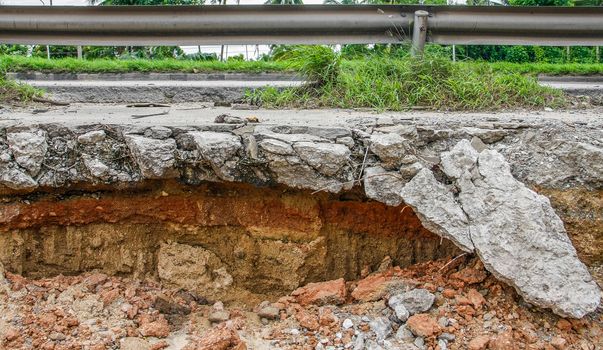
(184,114)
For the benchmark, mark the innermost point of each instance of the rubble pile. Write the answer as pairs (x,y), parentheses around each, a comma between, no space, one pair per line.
(446,304)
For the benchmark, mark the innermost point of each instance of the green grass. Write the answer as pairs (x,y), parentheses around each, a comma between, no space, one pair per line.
(11,91)
(549,68)
(72,65)
(434,83)
(376,82)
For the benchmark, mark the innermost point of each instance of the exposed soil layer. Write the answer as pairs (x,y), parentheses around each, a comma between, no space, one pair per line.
(582,213)
(232,242)
(469,309)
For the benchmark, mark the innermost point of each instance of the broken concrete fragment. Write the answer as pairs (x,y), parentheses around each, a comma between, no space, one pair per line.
(460,159)
(415,301)
(326,158)
(383,186)
(155,158)
(522,241)
(29,149)
(293,172)
(276,147)
(218,149)
(515,231)
(390,148)
(436,208)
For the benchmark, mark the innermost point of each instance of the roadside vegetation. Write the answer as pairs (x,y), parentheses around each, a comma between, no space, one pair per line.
(549,68)
(12,63)
(11,91)
(382,77)
(15,63)
(430,82)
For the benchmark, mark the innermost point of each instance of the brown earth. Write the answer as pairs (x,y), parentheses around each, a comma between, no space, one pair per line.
(231,241)
(582,213)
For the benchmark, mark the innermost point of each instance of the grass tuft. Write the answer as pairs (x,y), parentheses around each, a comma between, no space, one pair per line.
(11,91)
(401,84)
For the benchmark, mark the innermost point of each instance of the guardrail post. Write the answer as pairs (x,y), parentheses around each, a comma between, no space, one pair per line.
(419,32)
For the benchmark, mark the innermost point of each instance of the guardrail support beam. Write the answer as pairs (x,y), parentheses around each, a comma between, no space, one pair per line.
(419,32)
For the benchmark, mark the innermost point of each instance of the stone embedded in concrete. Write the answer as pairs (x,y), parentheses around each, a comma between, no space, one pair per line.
(409,171)
(390,148)
(96,168)
(326,158)
(486,135)
(383,186)
(400,310)
(92,137)
(437,209)
(29,149)
(16,179)
(267,132)
(155,158)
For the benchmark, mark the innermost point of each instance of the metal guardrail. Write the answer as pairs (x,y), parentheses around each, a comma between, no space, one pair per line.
(305,24)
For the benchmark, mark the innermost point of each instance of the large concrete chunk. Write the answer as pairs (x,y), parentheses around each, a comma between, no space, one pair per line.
(383,186)
(390,148)
(523,242)
(514,230)
(437,209)
(29,149)
(327,158)
(155,158)
(294,172)
(217,149)
(461,158)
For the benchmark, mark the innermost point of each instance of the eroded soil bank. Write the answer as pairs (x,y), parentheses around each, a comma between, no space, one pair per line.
(234,242)
(203,234)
